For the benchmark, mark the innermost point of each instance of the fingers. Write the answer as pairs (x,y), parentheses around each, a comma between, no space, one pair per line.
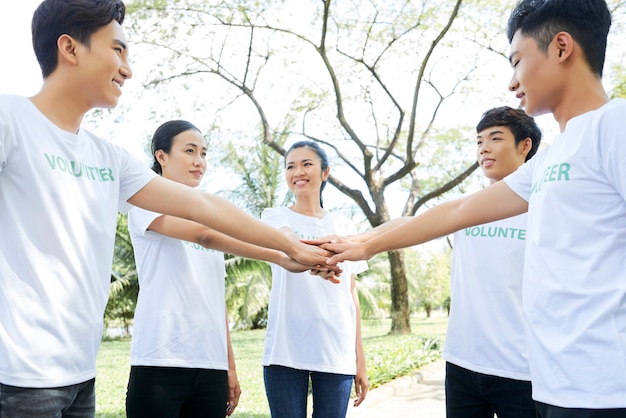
(234,392)
(361,387)
(336,259)
(233,401)
(331,274)
(323,240)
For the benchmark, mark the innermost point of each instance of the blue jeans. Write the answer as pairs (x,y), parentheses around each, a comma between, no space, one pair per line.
(550,411)
(476,395)
(75,401)
(176,392)
(287,390)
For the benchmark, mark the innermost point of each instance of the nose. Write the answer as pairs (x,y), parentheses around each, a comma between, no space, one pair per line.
(199,160)
(513,84)
(125,70)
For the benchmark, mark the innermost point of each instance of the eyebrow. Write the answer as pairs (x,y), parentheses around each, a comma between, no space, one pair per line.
(120,43)
(191,144)
(302,161)
(492,133)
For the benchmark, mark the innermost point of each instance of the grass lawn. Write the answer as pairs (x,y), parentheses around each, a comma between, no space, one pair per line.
(387,357)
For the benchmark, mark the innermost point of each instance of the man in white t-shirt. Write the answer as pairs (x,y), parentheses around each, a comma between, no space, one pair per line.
(574,290)
(487,369)
(60,190)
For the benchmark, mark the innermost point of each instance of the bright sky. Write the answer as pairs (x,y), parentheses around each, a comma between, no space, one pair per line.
(19,73)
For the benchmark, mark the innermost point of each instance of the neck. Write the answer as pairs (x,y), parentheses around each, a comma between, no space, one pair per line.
(60,107)
(579,98)
(309,206)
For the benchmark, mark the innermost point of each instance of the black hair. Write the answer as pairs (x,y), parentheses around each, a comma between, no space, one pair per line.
(521,125)
(587,21)
(164,137)
(320,153)
(77,18)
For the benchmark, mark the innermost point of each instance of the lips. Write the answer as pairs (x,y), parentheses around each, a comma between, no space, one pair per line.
(487,162)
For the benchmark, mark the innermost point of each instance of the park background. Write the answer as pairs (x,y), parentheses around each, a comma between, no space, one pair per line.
(391,89)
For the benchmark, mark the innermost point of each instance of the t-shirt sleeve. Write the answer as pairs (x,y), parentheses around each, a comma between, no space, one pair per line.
(612,148)
(520,181)
(134,175)
(275,218)
(139,220)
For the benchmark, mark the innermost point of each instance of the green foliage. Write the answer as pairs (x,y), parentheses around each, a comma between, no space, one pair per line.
(429,272)
(260,171)
(248,285)
(389,357)
(120,308)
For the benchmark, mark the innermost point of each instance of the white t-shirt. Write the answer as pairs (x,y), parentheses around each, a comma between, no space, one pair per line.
(180,319)
(575,270)
(311,321)
(59,198)
(486,326)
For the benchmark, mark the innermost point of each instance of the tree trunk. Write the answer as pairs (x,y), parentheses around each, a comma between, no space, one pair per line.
(400,313)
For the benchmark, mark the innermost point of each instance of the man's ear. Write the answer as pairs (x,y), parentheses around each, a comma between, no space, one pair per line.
(67,49)
(564,44)
(525,145)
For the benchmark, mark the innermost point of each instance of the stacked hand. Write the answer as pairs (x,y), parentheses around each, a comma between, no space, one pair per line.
(328,251)
(340,248)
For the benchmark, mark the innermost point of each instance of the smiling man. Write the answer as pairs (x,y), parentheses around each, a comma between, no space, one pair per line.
(60,191)
(486,356)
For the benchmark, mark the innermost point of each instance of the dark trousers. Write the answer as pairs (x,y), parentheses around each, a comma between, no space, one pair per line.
(550,411)
(174,392)
(74,401)
(476,395)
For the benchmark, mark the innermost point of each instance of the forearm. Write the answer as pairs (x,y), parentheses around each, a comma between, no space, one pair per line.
(491,204)
(226,244)
(232,368)
(381,229)
(171,198)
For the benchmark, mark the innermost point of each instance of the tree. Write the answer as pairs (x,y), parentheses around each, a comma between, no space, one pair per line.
(367,79)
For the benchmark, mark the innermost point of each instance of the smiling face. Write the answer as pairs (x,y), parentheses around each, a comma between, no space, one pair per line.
(303,171)
(497,154)
(186,161)
(536,80)
(102,66)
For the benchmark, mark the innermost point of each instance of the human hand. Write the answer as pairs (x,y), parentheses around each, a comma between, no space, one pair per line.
(330,273)
(361,385)
(311,255)
(345,251)
(234,392)
(326,240)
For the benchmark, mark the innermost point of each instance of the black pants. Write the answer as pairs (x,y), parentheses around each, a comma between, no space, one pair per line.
(173,392)
(550,411)
(475,395)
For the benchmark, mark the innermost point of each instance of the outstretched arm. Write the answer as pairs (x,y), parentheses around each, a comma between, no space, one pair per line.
(495,202)
(170,198)
(209,238)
